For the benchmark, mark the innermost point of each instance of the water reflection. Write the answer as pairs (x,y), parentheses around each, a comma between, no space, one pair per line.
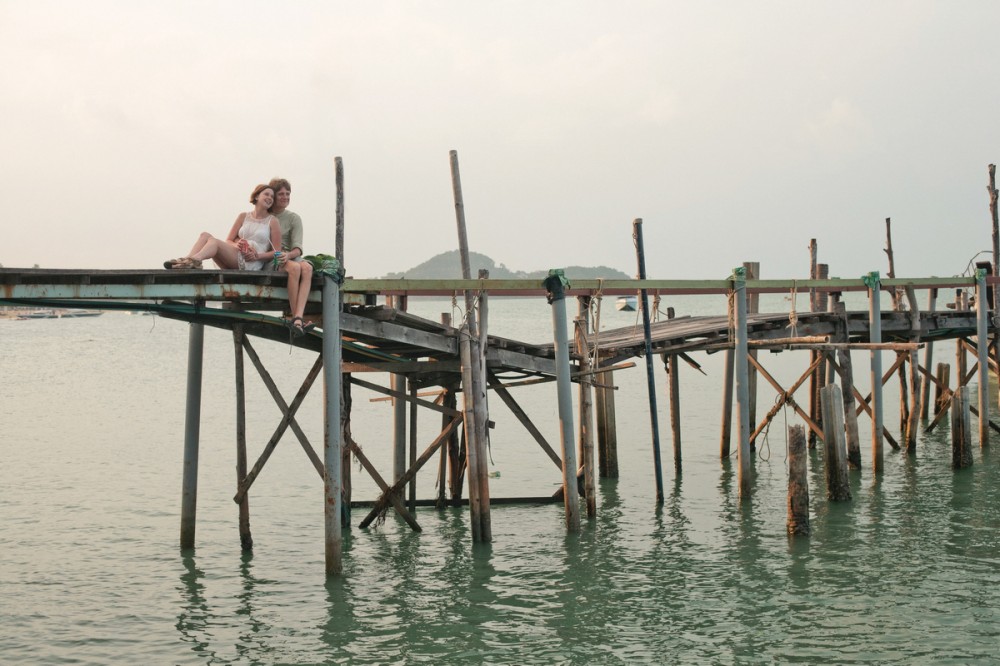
(195,613)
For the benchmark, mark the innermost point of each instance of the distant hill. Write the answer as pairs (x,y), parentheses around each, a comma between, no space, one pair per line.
(448,265)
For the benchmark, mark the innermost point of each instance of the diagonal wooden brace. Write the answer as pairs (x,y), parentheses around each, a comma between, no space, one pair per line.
(396,489)
(786,397)
(396,500)
(508,400)
(287,419)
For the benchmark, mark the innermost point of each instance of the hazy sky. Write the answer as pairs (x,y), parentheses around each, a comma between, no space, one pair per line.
(736,130)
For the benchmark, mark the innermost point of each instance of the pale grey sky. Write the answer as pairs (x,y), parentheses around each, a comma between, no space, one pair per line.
(736,130)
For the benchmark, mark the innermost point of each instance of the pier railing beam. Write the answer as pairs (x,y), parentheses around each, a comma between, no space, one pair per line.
(874,284)
(741,370)
(192,430)
(333,432)
(571,493)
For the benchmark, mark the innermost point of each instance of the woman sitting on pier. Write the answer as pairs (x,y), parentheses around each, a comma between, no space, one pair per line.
(253,240)
(299,272)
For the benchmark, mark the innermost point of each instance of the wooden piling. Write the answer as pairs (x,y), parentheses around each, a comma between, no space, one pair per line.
(333,433)
(246,540)
(798,483)
(982,347)
(674,396)
(471,434)
(725,439)
(941,387)
(192,429)
(852,433)
(838,487)
(571,494)
(650,380)
(925,381)
(745,475)
(338,167)
(961,429)
(411,487)
(875,336)
(586,411)
(753,307)
(818,378)
(607,434)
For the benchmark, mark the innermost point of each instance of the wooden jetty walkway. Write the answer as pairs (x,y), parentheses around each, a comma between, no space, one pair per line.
(364,329)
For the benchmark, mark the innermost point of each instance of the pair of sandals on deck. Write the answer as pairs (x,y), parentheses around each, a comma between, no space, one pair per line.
(298,326)
(183,262)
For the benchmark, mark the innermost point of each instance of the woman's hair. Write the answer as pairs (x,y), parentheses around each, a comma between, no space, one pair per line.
(278,183)
(256,193)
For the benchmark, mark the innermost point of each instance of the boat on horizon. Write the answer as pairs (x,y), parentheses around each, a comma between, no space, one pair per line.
(626,303)
(58,314)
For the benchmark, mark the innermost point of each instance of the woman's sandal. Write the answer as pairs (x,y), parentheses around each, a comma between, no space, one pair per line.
(183,263)
(295,326)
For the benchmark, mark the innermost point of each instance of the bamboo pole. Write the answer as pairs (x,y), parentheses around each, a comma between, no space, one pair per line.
(798,483)
(571,500)
(875,335)
(650,381)
(814,414)
(745,475)
(192,428)
(246,539)
(412,486)
(471,435)
(346,485)
(674,395)
(838,487)
(333,445)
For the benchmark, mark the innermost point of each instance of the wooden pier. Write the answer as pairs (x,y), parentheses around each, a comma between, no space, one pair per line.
(359,337)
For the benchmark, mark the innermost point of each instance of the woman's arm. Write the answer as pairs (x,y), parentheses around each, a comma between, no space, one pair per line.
(275,236)
(234,232)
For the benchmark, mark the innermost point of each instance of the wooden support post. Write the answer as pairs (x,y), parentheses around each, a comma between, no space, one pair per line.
(798,483)
(925,382)
(961,430)
(941,388)
(912,422)
(398,385)
(745,475)
(246,540)
(338,166)
(674,395)
(991,190)
(333,380)
(607,434)
(847,392)
(875,336)
(982,347)
(650,381)
(192,429)
(753,307)
(586,433)
(571,495)
(346,485)
(838,487)
(727,403)
(818,379)
(475,438)
(814,414)
(412,486)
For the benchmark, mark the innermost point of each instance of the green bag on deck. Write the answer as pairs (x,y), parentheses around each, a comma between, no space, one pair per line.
(323,263)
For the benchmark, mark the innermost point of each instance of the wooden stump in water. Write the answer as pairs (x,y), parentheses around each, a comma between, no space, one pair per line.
(961,430)
(798,485)
(838,488)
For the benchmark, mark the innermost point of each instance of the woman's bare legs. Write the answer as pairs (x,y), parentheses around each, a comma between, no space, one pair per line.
(222,252)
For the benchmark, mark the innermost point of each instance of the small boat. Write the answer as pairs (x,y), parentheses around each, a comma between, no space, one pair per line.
(626,303)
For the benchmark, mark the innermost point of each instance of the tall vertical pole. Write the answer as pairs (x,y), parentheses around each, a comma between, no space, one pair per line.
(740,363)
(753,307)
(192,430)
(925,381)
(874,284)
(650,379)
(586,404)
(399,405)
(463,239)
(571,493)
(982,347)
(333,433)
(246,540)
(339,178)
(992,191)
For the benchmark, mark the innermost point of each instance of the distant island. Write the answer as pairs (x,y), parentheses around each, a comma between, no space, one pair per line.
(448,265)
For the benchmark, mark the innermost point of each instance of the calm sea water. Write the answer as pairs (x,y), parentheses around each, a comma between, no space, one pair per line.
(91,573)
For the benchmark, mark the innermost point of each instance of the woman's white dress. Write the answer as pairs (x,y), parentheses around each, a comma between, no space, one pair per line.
(258,234)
